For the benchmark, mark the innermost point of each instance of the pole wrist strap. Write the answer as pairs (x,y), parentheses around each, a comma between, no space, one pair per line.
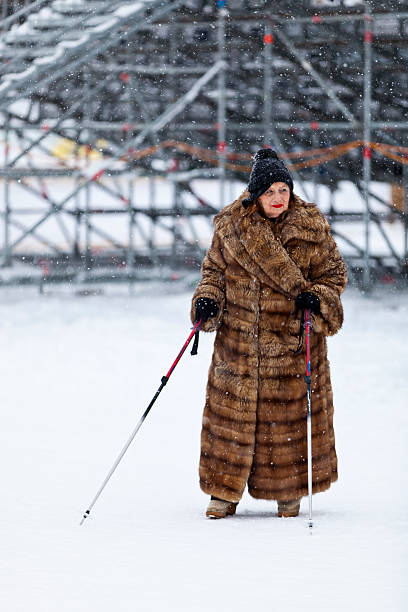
(194,349)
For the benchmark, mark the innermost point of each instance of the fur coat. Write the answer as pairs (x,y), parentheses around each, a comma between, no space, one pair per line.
(254,422)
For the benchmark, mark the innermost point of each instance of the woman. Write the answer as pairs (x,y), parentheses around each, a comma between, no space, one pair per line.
(272,256)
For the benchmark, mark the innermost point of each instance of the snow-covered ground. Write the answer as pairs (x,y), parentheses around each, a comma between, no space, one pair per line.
(77,373)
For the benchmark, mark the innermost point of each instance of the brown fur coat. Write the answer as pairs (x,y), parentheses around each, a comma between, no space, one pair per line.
(254,423)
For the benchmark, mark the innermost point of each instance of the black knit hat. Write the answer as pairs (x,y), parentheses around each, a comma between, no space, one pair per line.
(267,169)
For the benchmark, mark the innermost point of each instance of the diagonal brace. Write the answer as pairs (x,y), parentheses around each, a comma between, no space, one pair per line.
(307,66)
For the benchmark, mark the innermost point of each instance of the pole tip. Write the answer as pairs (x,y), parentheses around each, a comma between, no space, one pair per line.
(86,514)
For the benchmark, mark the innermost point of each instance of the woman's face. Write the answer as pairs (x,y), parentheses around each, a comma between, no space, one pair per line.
(275,200)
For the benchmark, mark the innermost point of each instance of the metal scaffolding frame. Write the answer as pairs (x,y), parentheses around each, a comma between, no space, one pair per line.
(130,55)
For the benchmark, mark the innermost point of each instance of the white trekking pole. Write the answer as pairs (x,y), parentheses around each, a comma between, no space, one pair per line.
(308,379)
(164,381)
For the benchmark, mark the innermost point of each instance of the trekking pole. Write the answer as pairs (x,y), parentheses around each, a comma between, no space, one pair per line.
(164,381)
(308,380)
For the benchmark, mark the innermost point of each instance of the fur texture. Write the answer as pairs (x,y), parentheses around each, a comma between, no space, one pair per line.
(254,422)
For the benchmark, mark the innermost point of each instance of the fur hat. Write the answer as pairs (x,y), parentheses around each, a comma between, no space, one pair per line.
(267,169)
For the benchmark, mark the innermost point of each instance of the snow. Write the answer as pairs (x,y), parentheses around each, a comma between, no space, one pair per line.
(75,43)
(78,372)
(106,25)
(16,76)
(128,9)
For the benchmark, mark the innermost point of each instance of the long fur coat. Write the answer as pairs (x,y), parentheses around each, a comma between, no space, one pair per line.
(254,422)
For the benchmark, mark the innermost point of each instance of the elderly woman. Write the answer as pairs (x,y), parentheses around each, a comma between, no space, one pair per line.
(271,257)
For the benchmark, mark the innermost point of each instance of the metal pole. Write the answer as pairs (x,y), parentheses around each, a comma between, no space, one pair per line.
(176,222)
(332,210)
(152,206)
(87,229)
(315,171)
(77,229)
(278,144)
(130,85)
(308,379)
(103,126)
(131,248)
(4,12)
(323,83)
(405,211)
(7,258)
(270,131)
(368,38)
(268,41)
(150,236)
(88,261)
(221,145)
(334,18)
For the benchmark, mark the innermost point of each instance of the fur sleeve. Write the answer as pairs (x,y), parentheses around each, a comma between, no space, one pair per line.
(212,284)
(328,279)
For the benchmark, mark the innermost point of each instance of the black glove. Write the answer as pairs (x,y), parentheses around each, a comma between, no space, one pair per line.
(205,308)
(308,301)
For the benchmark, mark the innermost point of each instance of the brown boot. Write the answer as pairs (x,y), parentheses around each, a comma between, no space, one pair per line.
(289,508)
(219,508)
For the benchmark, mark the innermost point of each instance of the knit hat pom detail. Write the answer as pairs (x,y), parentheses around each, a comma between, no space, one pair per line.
(265,154)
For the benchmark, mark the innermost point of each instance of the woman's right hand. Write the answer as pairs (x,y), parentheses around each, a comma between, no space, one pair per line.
(205,308)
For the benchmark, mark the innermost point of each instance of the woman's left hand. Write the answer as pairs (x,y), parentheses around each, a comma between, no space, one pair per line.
(205,308)
(308,301)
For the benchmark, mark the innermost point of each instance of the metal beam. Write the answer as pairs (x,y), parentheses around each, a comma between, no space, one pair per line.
(103,126)
(159,123)
(307,66)
(268,83)
(368,38)
(73,56)
(221,101)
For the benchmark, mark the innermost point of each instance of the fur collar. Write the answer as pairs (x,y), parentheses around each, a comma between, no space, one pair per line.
(259,247)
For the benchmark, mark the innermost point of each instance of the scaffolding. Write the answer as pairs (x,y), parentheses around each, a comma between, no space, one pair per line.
(102,103)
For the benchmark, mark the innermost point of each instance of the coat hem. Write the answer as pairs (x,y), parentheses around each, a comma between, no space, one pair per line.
(221,492)
(318,487)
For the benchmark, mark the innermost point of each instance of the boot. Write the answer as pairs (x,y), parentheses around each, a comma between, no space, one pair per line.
(289,508)
(219,508)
